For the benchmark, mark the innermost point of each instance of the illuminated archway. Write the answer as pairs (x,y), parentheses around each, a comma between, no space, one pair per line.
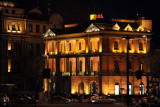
(81,88)
(93,88)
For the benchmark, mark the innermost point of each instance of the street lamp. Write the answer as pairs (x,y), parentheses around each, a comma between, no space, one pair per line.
(127,67)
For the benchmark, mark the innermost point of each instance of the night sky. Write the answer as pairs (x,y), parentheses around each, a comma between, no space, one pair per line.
(79,10)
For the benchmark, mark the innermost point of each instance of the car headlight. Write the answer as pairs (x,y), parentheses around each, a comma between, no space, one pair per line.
(93,101)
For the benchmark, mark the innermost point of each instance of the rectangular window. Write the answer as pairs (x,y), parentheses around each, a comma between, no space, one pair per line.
(37,28)
(70,47)
(44,29)
(14,47)
(79,45)
(13,11)
(31,49)
(13,27)
(38,51)
(30,27)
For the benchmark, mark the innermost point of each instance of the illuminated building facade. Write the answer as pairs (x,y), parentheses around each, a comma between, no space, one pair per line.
(22,44)
(91,59)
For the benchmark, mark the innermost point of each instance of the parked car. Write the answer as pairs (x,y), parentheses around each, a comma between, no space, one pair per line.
(101,99)
(24,100)
(4,99)
(58,99)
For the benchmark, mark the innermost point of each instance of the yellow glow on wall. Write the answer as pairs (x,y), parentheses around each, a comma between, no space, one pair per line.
(73,91)
(9,65)
(86,49)
(128,28)
(116,27)
(9,45)
(45,85)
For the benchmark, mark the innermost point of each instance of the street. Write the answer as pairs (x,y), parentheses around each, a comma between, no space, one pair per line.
(69,105)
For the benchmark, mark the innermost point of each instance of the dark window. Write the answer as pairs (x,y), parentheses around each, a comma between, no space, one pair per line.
(31,49)
(18,27)
(13,11)
(115,45)
(38,51)
(8,27)
(80,66)
(37,28)
(70,47)
(15,66)
(44,29)
(13,27)
(30,27)
(79,45)
(6,11)
(141,46)
(116,67)
(130,65)
(14,47)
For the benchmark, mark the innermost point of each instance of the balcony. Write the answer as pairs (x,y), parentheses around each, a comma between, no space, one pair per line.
(65,73)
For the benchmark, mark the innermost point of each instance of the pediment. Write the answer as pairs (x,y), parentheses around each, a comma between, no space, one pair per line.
(92,28)
(49,33)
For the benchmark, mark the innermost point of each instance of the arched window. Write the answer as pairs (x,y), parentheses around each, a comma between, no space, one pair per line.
(116,67)
(141,46)
(130,89)
(116,88)
(115,45)
(141,89)
(81,88)
(93,88)
(80,65)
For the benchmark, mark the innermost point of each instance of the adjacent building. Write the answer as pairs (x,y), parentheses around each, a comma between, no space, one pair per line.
(22,44)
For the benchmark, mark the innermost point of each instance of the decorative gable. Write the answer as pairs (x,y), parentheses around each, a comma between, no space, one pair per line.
(140,28)
(116,27)
(49,33)
(128,28)
(92,28)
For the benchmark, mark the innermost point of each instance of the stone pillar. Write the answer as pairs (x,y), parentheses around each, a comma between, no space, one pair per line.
(100,76)
(58,78)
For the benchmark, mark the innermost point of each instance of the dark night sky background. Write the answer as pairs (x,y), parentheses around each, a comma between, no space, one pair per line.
(79,10)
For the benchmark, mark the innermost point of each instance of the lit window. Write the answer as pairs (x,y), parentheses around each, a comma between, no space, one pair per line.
(116,45)
(141,89)
(141,46)
(130,89)
(117,89)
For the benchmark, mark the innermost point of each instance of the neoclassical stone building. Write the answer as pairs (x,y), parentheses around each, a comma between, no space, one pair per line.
(91,58)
